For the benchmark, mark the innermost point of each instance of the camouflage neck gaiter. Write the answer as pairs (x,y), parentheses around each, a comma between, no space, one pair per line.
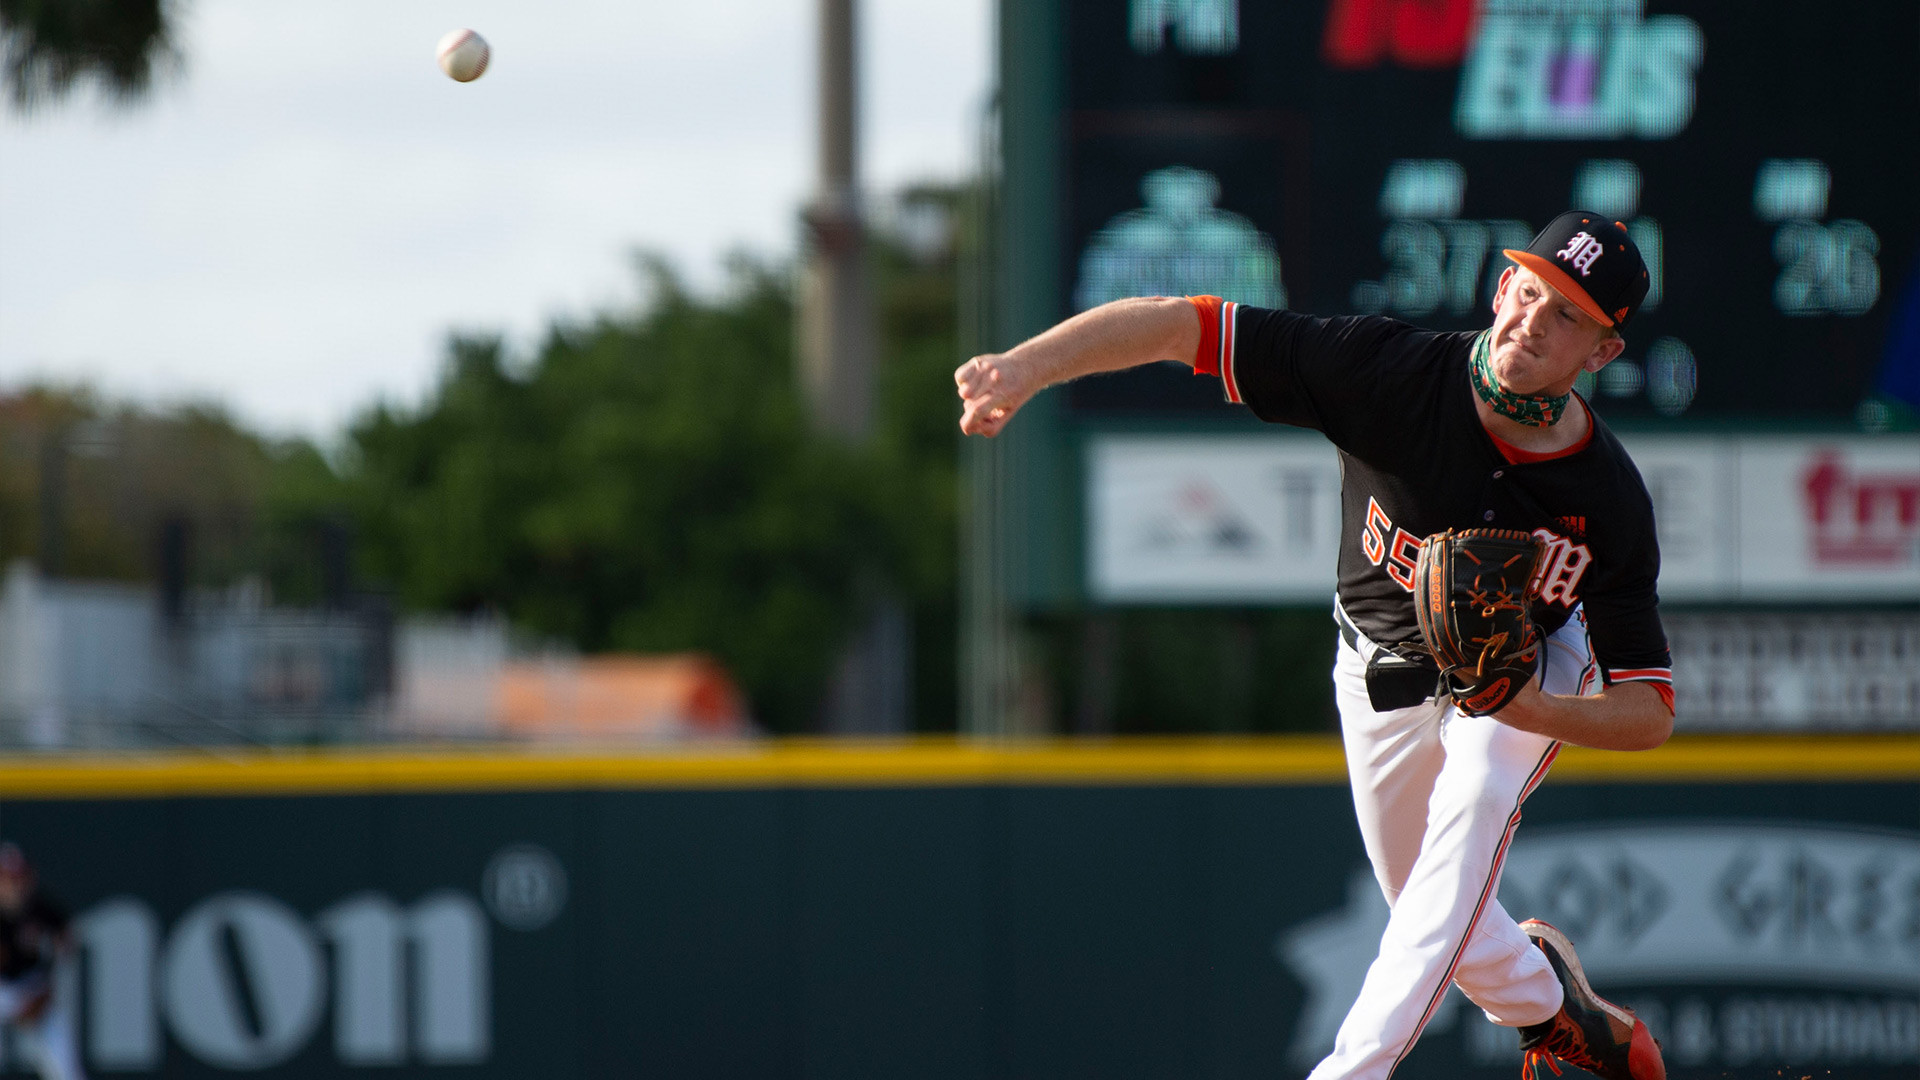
(1533,410)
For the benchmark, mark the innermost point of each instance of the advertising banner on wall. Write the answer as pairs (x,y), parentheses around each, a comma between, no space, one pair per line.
(1843,669)
(1255,518)
(1224,519)
(1784,518)
(1739,943)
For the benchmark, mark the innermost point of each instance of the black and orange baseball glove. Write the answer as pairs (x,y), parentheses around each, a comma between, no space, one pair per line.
(1470,592)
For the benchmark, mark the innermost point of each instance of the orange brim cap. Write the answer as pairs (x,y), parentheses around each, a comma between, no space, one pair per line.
(1561,282)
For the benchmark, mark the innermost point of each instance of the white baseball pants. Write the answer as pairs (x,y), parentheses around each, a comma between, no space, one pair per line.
(1438,796)
(50,1041)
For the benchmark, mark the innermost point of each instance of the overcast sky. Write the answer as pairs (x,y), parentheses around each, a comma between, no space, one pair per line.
(293,224)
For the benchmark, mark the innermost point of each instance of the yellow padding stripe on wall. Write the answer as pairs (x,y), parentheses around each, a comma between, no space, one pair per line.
(819,763)
(772,763)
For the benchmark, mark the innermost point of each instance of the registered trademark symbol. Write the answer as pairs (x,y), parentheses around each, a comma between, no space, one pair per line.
(524,886)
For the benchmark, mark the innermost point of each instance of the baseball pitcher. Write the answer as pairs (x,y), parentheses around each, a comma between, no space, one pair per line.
(1496,599)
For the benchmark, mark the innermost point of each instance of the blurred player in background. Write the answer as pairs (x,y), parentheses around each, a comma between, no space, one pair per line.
(33,938)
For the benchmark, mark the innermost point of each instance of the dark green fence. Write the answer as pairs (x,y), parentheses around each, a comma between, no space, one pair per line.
(920,926)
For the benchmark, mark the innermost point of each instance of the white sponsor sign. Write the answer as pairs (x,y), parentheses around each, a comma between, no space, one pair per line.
(1256,518)
(1791,905)
(1231,519)
(1784,517)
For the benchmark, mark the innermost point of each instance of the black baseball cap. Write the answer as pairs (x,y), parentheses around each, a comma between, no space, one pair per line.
(1592,262)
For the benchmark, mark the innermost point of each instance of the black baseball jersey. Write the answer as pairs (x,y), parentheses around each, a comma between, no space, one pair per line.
(29,937)
(1415,459)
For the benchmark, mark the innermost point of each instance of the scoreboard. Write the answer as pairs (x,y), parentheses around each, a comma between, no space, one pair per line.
(1375,156)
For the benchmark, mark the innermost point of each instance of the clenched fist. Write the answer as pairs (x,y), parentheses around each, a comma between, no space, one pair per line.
(992,388)
(1116,335)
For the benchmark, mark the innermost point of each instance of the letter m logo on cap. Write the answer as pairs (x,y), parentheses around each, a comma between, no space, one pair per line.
(1581,252)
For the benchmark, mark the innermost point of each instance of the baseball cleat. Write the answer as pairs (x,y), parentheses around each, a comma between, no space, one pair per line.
(1589,1031)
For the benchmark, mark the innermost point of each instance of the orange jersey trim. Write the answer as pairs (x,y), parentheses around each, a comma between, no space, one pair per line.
(1206,359)
(1215,354)
(1517,456)
(1661,679)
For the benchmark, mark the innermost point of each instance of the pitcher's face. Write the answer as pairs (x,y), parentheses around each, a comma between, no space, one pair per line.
(1542,341)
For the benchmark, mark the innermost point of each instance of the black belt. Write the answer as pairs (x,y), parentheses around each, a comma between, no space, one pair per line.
(1393,681)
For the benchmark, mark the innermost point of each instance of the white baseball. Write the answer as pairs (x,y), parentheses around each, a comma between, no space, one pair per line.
(463,55)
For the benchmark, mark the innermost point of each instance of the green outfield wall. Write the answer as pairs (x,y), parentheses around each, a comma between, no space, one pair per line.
(1127,909)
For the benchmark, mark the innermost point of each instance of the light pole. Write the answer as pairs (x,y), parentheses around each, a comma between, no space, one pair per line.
(837,326)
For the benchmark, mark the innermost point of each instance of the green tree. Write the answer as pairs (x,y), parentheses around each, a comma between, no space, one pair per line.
(52,45)
(651,483)
(85,486)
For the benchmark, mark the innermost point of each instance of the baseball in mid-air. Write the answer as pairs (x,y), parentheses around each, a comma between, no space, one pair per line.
(463,55)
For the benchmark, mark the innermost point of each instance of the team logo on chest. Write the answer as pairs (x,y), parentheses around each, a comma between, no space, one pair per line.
(1582,251)
(1561,567)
